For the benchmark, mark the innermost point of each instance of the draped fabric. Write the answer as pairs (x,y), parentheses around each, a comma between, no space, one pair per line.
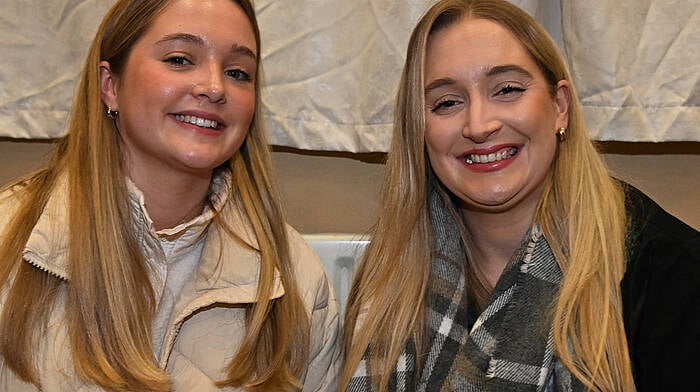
(637,67)
(332,66)
(43,45)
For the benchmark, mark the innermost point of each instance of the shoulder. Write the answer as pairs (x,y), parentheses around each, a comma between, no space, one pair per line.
(10,201)
(310,274)
(319,297)
(652,229)
(661,248)
(660,294)
(11,195)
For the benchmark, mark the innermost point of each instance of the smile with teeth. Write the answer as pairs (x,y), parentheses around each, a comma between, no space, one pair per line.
(493,157)
(198,121)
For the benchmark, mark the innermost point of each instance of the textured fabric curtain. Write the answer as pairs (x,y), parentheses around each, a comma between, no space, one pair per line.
(332,66)
(637,67)
(43,45)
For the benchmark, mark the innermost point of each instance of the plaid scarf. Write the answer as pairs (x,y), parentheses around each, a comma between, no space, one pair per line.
(508,347)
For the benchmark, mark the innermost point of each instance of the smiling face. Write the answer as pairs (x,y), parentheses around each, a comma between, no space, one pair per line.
(186,97)
(491,119)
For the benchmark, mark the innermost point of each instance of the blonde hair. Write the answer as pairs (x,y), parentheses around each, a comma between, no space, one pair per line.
(109,302)
(581,213)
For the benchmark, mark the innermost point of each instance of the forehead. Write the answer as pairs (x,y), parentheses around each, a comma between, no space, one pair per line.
(216,21)
(474,46)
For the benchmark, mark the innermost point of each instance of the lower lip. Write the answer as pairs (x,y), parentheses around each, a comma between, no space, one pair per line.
(490,166)
(200,130)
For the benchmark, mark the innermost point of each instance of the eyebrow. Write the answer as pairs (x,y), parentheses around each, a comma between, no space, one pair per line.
(501,69)
(197,40)
(493,71)
(437,83)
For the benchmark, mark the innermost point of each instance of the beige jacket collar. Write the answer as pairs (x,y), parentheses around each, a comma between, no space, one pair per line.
(228,267)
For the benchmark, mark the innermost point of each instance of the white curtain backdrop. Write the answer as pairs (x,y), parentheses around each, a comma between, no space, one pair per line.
(637,67)
(332,66)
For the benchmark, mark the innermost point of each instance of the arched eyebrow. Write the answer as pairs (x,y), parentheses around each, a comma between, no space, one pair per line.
(197,40)
(490,72)
(437,83)
(501,69)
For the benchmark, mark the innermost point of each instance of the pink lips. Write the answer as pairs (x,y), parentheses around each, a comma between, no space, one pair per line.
(489,159)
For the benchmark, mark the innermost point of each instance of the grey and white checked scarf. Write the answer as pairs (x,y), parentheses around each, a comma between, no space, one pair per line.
(510,345)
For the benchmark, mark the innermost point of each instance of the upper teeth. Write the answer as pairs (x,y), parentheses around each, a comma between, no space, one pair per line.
(493,157)
(198,121)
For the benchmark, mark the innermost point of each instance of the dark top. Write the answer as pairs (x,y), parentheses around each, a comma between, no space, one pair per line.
(661,298)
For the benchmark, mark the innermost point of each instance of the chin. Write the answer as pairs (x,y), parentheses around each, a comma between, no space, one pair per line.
(198,167)
(493,197)
(493,202)
(202,161)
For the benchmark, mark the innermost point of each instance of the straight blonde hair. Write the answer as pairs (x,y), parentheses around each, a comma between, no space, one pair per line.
(109,302)
(581,213)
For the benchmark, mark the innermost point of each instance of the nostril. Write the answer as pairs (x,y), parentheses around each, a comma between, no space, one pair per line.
(210,92)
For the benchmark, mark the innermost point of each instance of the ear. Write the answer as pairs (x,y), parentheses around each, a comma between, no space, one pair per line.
(108,86)
(562,100)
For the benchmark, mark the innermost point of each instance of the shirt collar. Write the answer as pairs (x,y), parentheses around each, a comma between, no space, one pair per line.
(47,245)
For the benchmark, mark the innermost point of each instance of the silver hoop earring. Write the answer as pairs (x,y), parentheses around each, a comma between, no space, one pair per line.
(561,134)
(112,114)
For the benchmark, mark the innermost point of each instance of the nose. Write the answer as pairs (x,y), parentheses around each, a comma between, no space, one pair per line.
(210,85)
(481,122)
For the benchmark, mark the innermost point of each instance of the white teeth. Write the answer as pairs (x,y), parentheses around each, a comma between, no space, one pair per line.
(198,121)
(493,157)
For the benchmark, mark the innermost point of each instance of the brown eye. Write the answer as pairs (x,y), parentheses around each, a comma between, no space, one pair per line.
(177,61)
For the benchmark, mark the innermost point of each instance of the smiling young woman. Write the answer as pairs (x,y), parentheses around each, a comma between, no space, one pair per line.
(152,254)
(505,256)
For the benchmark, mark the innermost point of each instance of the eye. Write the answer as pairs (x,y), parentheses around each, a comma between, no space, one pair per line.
(239,74)
(444,105)
(178,61)
(509,90)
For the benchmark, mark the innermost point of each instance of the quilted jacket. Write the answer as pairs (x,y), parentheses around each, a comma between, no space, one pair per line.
(207,323)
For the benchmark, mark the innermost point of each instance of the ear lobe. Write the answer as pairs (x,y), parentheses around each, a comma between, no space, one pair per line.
(562,100)
(108,86)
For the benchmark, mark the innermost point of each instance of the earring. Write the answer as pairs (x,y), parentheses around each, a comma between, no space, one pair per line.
(112,114)
(561,133)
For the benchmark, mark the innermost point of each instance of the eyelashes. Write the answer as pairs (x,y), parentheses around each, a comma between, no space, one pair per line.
(177,61)
(449,103)
(509,89)
(239,74)
(443,105)
(183,62)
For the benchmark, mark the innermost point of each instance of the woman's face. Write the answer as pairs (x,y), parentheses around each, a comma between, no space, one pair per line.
(491,121)
(186,97)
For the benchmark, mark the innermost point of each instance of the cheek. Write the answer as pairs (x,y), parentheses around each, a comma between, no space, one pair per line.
(436,138)
(243,107)
(157,85)
(437,155)
(432,147)
(149,85)
(535,123)
(440,148)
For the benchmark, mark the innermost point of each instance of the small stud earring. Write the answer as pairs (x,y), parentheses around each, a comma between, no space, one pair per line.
(561,133)
(112,114)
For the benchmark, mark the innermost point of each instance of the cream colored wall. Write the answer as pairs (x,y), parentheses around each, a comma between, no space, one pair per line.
(337,192)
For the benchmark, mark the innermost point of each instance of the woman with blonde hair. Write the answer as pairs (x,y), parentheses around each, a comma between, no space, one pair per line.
(505,257)
(151,253)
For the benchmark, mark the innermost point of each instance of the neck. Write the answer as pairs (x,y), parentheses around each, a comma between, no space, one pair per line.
(495,237)
(173,201)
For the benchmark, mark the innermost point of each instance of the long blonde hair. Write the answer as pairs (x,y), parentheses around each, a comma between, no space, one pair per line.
(581,213)
(110,303)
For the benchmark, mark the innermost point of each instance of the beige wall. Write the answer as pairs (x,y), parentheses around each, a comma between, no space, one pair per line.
(337,192)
